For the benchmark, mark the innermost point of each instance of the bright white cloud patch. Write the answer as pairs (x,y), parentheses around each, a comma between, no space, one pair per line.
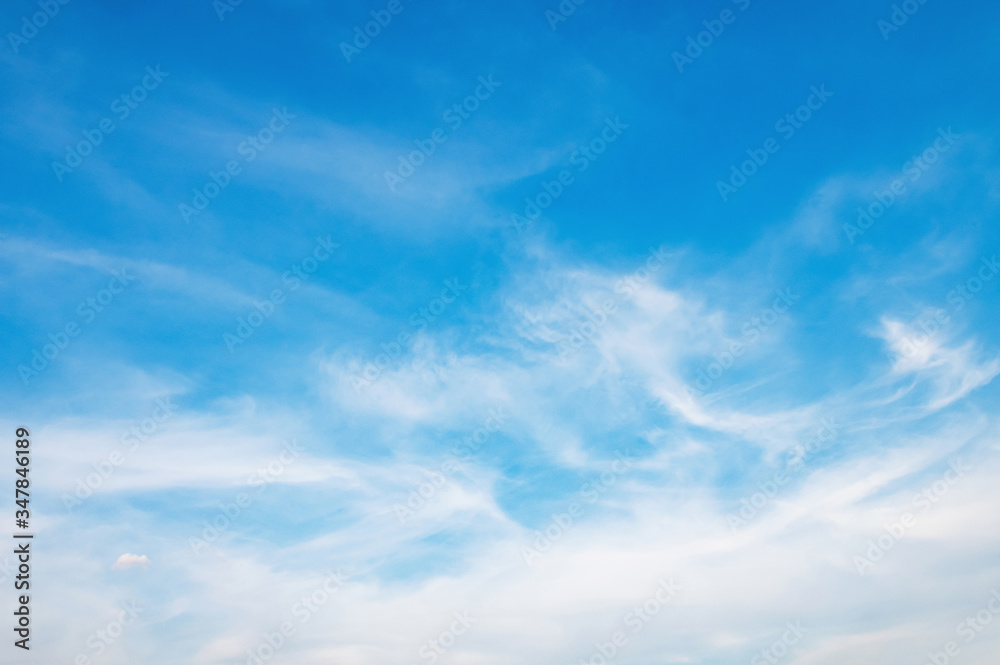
(126,561)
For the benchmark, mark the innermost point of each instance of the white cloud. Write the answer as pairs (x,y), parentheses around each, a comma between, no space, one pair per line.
(126,561)
(666,517)
(954,371)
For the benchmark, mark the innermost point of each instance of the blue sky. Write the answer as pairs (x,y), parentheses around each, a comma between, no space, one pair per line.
(619,294)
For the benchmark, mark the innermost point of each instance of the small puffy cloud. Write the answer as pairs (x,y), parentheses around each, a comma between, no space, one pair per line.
(126,561)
